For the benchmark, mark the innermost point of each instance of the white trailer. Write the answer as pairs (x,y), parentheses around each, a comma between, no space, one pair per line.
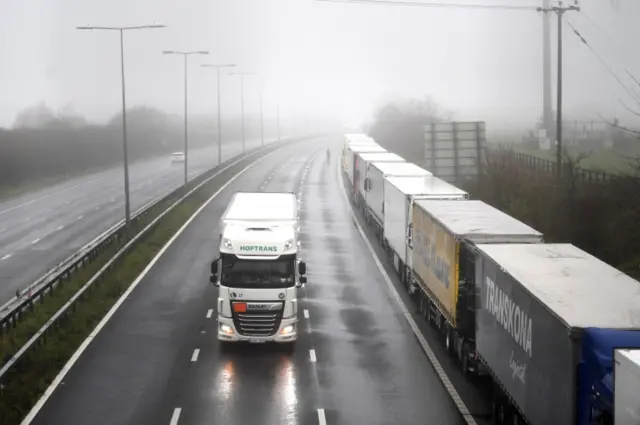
(354,139)
(399,195)
(352,161)
(626,382)
(374,187)
(363,161)
(259,272)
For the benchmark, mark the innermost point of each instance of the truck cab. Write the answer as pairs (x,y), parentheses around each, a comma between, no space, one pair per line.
(258,275)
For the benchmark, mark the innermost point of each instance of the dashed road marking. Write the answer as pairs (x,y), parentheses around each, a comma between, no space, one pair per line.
(322,420)
(60,228)
(312,355)
(176,416)
(306,313)
(35,241)
(194,356)
(5,257)
(453,393)
(209,313)
(80,217)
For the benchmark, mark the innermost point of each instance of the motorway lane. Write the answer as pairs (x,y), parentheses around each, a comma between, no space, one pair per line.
(356,360)
(139,368)
(39,230)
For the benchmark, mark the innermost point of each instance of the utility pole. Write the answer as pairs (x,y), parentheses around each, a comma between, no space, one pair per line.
(560,10)
(185,55)
(125,147)
(217,67)
(547,109)
(261,116)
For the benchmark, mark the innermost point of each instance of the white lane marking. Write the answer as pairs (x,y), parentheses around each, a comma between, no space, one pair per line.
(312,354)
(48,195)
(194,356)
(35,241)
(306,313)
(6,257)
(60,228)
(97,208)
(209,313)
(322,420)
(80,217)
(74,358)
(176,416)
(3,230)
(462,407)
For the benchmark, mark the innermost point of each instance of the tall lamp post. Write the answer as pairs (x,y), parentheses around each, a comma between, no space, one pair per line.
(217,67)
(185,55)
(242,75)
(125,147)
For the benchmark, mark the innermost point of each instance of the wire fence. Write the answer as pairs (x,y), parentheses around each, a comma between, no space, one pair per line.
(541,165)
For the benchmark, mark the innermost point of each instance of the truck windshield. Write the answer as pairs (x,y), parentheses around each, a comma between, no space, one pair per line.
(241,273)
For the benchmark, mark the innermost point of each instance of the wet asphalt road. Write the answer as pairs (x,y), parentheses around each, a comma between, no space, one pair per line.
(356,361)
(40,229)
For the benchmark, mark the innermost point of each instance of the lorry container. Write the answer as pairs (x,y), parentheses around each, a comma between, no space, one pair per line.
(626,383)
(374,186)
(366,158)
(352,161)
(442,235)
(260,269)
(548,318)
(354,139)
(400,192)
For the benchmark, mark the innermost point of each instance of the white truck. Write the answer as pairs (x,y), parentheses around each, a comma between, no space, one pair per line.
(354,139)
(626,378)
(400,193)
(363,161)
(352,162)
(259,272)
(374,187)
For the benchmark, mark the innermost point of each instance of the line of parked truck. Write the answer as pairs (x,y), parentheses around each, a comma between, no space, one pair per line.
(554,331)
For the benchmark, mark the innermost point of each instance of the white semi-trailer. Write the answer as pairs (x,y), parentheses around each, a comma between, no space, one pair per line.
(259,272)
(626,378)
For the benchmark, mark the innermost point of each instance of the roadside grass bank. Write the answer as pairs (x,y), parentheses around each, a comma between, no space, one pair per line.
(22,386)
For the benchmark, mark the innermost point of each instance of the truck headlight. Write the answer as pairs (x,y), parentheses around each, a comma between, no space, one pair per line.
(226,329)
(227,244)
(288,244)
(287,330)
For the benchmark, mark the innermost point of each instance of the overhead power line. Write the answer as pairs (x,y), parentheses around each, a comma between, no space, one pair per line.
(434,4)
(633,95)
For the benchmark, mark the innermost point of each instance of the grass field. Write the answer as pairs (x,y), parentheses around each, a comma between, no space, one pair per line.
(607,160)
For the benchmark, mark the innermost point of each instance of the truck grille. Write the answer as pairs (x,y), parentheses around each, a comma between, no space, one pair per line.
(259,321)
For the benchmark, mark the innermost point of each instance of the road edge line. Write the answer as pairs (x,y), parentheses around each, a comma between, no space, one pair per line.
(76,355)
(446,382)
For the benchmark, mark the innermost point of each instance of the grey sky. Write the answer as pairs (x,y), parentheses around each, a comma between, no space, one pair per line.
(342,58)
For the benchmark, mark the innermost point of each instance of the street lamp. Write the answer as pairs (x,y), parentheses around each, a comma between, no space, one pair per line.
(127,208)
(185,55)
(242,75)
(217,67)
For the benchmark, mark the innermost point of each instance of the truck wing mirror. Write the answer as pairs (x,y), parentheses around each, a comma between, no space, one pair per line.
(214,266)
(213,279)
(303,279)
(302,268)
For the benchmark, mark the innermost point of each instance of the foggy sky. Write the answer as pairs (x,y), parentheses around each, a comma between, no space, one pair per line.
(319,57)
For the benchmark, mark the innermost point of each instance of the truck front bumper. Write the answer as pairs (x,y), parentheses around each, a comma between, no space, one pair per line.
(288,332)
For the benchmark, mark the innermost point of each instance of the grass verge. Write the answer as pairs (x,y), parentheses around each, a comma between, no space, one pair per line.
(27,381)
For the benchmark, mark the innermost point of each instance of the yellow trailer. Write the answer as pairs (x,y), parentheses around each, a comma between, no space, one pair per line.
(443,235)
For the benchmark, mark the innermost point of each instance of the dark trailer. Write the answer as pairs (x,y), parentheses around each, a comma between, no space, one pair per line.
(548,319)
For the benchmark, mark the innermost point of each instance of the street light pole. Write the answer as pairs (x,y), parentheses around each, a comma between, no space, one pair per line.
(560,10)
(217,67)
(261,117)
(125,147)
(186,139)
(242,75)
